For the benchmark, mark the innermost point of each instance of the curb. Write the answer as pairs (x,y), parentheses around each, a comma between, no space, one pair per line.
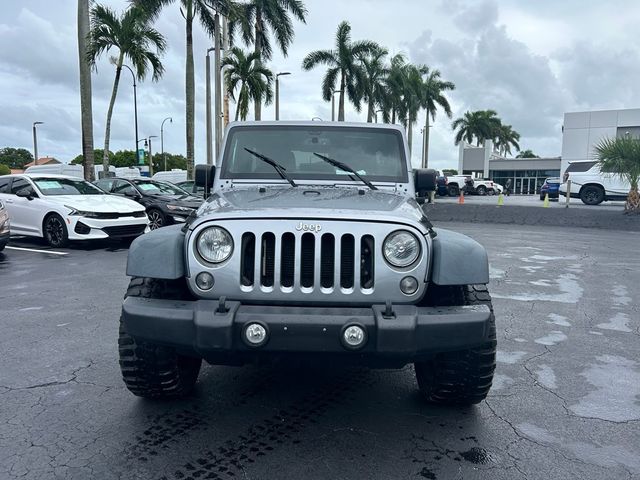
(536,216)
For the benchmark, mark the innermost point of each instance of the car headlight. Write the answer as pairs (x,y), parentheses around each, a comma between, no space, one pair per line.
(214,244)
(401,248)
(81,213)
(180,208)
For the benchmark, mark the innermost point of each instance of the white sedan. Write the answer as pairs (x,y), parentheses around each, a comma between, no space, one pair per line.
(60,208)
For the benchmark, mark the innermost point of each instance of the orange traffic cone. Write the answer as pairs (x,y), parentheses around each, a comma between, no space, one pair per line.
(461,197)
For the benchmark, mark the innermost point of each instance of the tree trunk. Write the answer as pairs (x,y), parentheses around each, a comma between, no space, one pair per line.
(410,136)
(632,204)
(370,112)
(225,96)
(190,91)
(107,130)
(86,110)
(425,160)
(258,50)
(341,101)
(393,115)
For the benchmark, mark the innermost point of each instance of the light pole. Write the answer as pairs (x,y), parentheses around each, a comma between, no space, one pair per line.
(148,141)
(376,114)
(333,104)
(208,107)
(35,143)
(278,93)
(135,106)
(162,141)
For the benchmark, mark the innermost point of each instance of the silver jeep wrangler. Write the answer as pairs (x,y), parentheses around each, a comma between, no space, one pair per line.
(311,244)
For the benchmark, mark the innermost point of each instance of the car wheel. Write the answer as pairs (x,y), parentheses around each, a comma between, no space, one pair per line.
(55,231)
(491,191)
(592,195)
(148,369)
(453,190)
(462,377)
(156,219)
(481,190)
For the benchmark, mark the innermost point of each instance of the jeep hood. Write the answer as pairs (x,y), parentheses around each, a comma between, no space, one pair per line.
(312,202)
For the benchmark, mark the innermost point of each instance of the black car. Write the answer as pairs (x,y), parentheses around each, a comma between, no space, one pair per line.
(165,203)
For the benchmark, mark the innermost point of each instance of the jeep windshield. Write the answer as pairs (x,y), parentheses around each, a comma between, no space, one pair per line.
(374,153)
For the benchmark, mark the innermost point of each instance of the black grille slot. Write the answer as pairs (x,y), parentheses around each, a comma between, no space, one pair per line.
(268,258)
(307,259)
(124,230)
(247,259)
(347,252)
(327,258)
(288,260)
(82,229)
(366,261)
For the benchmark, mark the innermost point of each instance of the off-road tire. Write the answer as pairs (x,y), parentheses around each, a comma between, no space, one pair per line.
(462,377)
(55,231)
(592,195)
(148,369)
(453,190)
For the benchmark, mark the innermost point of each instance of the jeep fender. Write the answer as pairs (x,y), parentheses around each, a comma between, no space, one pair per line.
(458,260)
(158,254)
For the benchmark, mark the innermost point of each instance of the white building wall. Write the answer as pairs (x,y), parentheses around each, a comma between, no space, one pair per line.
(583,130)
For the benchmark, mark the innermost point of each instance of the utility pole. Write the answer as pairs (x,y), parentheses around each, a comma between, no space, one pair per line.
(278,93)
(208,108)
(333,104)
(217,98)
(151,155)
(35,142)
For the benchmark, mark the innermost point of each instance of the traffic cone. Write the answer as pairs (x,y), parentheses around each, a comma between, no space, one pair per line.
(461,198)
(546,201)
(500,200)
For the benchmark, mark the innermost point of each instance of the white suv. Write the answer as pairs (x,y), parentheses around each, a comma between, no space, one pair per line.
(591,185)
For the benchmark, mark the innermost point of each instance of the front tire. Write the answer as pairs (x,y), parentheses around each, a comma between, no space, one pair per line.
(462,377)
(481,190)
(592,195)
(149,369)
(453,190)
(157,219)
(55,231)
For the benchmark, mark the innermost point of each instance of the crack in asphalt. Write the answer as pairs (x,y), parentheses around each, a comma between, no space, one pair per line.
(73,379)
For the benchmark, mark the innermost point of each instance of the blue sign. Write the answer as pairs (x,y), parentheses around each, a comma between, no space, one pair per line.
(141,156)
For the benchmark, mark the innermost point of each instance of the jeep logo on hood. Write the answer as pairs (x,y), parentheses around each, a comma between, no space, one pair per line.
(308,227)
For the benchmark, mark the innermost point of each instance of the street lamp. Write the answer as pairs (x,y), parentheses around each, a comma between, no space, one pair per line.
(135,105)
(35,142)
(278,93)
(333,104)
(147,142)
(162,140)
(376,114)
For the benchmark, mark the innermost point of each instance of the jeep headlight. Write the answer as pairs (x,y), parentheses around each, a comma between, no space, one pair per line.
(401,248)
(214,244)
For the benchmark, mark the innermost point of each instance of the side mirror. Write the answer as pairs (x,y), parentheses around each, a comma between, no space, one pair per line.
(424,181)
(26,192)
(132,194)
(204,177)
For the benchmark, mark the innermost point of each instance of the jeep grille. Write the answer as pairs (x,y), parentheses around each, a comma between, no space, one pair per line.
(324,261)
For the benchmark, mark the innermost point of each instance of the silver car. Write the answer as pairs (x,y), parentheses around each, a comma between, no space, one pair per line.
(311,244)
(5,225)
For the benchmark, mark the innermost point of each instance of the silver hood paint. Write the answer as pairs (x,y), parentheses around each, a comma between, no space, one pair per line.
(333,203)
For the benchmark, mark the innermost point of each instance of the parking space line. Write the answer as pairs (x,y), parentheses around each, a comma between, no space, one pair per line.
(36,250)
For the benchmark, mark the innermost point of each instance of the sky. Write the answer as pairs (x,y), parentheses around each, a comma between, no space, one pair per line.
(531,61)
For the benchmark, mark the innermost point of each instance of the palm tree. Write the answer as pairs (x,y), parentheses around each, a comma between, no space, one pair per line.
(86,110)
(254,79)
(432,97)
(374,88)
(343,62)
(526,154)
(206,11)
(506,137)
(621,157)
(257,17)
(395,87)
(135,40)
(480,125)
(412,98)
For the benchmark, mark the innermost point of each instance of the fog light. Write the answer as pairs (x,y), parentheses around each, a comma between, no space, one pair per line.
(204,281)
(354,336)
(409,285)
(255,334)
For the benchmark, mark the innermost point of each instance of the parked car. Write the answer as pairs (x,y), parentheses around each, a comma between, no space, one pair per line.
(319,250)
(551,187)
(592,186)
(5,225)
(191,187)
(78,170)
(164,202)
(458,183)
(498,188)
(61,208)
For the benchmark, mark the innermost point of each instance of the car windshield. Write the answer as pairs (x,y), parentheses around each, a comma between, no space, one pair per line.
(376,154)
(151,187)
(66,186)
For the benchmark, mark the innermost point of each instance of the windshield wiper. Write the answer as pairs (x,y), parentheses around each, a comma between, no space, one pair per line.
(346,168)
(277,167)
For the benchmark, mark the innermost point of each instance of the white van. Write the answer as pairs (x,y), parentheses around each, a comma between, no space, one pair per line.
(172,176)
(57,169)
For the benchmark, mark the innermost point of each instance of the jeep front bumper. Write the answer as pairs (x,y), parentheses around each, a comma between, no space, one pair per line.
(202,328)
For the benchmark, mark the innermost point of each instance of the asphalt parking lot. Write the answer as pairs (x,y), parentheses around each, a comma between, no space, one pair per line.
(565,401)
